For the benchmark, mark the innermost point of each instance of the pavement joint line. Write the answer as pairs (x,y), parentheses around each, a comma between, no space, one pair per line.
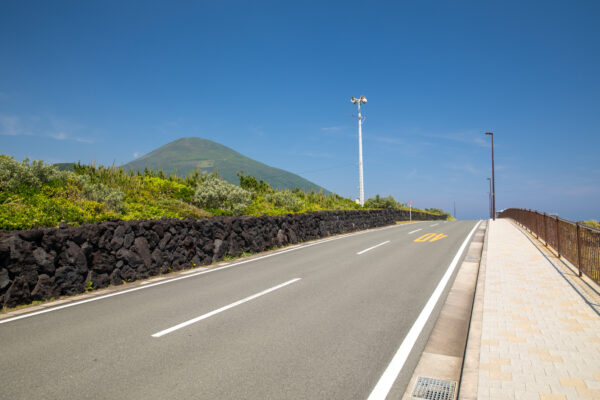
(224,308)
(372,247)
(410,233)
(46,308)
(389,376)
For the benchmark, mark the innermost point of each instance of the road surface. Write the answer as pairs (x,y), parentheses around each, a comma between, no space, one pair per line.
(322,320)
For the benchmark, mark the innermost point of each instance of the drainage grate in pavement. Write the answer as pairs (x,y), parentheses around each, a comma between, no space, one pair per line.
(472,259)
(434,389)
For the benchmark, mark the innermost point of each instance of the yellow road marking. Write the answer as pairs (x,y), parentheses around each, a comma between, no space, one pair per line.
(430,237)
(425,237)
(438,237)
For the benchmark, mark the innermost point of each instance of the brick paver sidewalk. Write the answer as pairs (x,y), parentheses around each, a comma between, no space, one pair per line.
(539,339)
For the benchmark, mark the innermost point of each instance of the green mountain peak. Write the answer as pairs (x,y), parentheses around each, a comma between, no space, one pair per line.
(184,155)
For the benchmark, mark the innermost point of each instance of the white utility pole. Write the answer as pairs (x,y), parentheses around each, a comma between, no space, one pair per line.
(361,188)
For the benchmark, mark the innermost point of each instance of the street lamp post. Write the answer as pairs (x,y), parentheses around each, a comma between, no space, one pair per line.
(361,189)
(493,179)
(490,197)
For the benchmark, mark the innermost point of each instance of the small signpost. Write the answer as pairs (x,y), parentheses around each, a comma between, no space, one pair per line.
(410,210)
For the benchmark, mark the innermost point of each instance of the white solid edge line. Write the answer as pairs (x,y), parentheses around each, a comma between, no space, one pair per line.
(371,248)
(417,230)
(385,383)
(147,286)
(225,308)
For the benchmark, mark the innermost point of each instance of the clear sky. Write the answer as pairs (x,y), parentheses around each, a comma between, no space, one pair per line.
(109,81)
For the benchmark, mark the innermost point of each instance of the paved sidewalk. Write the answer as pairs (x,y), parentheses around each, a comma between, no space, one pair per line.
(539,338)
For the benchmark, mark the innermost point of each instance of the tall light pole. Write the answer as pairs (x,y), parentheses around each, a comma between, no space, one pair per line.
(490,196)
(493,179)
(361,189)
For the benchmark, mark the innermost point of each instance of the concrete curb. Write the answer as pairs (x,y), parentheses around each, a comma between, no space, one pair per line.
(469,380)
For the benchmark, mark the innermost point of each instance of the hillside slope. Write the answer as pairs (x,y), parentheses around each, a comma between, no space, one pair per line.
(185,155)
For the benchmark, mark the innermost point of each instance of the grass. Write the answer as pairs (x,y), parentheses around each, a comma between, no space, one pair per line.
(229,257)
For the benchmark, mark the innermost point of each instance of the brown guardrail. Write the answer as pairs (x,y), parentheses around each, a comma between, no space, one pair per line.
(577,243)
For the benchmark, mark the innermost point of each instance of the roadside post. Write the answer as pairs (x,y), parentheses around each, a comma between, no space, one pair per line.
(410,210)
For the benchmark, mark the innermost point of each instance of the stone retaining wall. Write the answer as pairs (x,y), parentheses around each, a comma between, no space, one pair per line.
(44,263)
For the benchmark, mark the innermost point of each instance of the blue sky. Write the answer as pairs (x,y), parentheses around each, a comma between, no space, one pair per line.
(109,81)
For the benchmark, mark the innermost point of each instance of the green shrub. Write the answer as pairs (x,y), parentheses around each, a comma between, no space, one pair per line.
(248,182)
(46,173)
(382,202)
(285,199)
(16,175)
(215,193)
(113,198)
(168,188)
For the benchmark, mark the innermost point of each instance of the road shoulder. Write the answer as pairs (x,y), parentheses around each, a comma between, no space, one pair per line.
(442,359)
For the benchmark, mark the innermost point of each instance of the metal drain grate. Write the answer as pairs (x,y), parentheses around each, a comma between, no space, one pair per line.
(434,389)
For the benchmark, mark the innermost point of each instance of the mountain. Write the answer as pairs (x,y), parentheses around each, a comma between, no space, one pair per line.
(185,155)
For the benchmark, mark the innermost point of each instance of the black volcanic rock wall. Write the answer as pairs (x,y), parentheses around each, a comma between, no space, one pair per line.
(45,263)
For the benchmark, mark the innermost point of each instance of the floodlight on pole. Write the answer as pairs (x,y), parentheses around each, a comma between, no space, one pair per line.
(361,189)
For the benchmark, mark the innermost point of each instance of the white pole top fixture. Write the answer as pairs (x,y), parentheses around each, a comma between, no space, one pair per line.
(362,99)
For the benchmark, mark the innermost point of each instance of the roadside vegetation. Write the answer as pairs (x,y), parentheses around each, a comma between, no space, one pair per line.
(34,194)
(379,202)
(592,223)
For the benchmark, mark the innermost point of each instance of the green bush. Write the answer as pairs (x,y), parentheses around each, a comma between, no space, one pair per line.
(113,198)
(215,193)
(16,175)
(382,202)
(285,199)
(248,182)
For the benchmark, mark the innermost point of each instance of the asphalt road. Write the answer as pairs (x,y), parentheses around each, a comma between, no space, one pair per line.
(316,321)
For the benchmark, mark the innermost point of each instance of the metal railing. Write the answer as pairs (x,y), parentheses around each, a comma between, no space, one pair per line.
(577,243)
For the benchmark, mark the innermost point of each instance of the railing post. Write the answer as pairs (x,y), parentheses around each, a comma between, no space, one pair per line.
(578,249)
(557,237)
(545,231)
